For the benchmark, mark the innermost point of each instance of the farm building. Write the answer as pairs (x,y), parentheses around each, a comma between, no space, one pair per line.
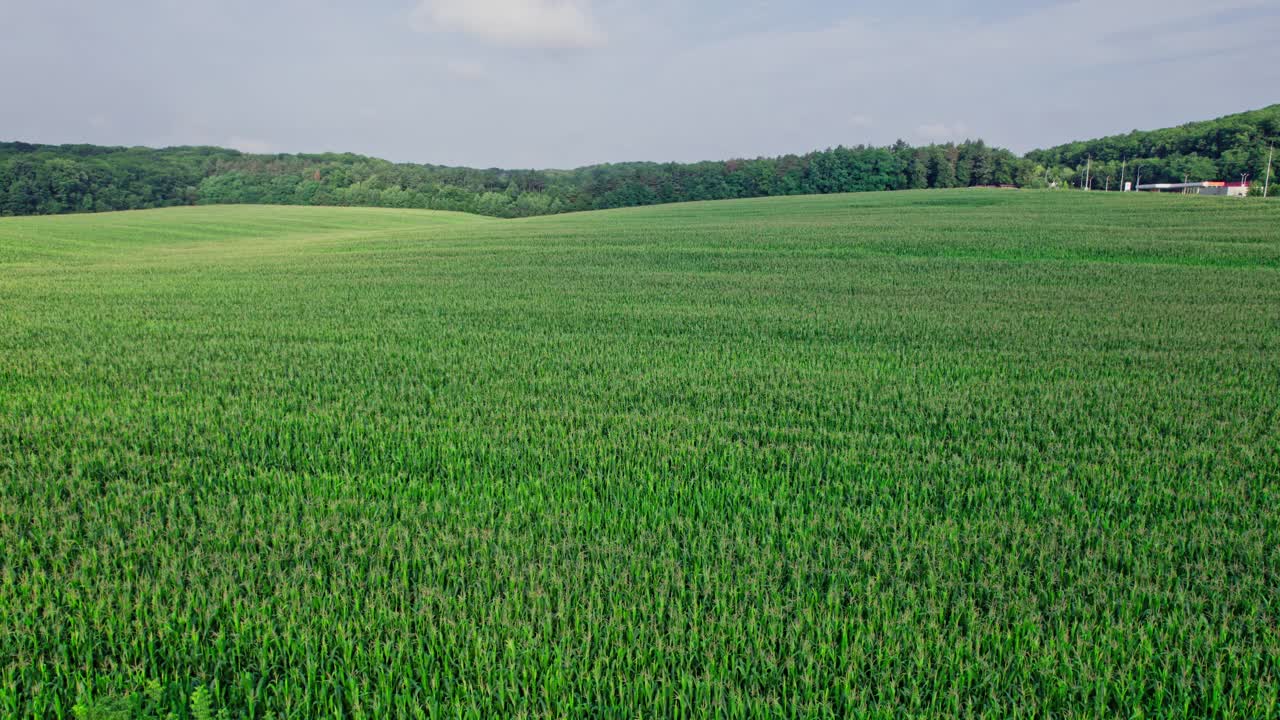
(1208,187)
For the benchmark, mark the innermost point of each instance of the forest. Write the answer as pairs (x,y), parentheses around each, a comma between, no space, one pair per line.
(1229,148)
(46,179)
(38,179)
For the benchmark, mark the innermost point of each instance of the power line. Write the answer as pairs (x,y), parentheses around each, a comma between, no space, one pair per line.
(1266,186)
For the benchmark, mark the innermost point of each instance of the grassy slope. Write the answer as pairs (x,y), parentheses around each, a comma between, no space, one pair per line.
(919,451)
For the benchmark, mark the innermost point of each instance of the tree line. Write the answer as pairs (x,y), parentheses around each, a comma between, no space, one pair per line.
(41,179)
(1235,147)
(45,179)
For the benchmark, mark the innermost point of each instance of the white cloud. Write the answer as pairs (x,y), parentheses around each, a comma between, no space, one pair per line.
(540,24)
(250,145)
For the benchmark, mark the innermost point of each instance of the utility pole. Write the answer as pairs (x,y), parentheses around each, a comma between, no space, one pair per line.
(1266,186)
(1122,164)
(1088,170)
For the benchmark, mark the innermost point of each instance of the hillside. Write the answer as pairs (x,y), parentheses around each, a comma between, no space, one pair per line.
(41,179)
(1221,149)
(920,454)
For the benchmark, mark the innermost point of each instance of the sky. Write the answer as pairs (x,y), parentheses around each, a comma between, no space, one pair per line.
(565,83)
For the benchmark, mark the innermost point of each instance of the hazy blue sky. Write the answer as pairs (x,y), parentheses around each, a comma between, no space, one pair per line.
(559,83)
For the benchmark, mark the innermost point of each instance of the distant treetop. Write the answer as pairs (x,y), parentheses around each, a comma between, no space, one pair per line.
(47,179)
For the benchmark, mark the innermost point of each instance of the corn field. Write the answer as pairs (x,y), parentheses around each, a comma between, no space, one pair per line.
(908,455)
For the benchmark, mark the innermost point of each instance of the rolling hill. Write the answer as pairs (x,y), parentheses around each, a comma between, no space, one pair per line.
(937,453)
(1226,148)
